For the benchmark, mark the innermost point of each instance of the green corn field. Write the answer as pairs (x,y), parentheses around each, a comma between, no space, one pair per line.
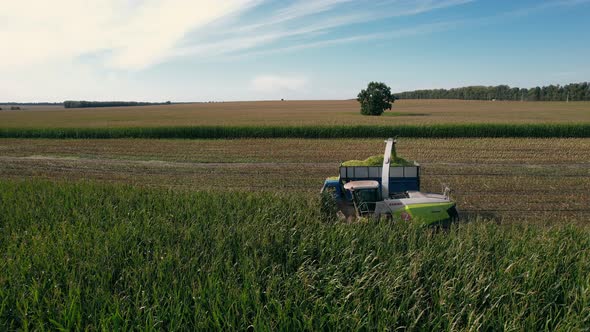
(336,131)
(83,255)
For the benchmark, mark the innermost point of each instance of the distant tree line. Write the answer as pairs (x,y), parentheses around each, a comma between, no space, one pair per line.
(31,104)
(571,92)
(84,103)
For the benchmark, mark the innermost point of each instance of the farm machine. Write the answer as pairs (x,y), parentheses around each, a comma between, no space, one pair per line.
(391,190)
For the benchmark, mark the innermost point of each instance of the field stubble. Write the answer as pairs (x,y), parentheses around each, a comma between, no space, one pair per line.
(505,178)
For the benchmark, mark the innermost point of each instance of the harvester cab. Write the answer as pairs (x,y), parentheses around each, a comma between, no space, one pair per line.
(390,190)
(364,194)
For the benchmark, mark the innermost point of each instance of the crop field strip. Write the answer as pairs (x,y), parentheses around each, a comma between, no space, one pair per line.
(491,151)
(554,130)
(506,195)
(298,113)
(548,178)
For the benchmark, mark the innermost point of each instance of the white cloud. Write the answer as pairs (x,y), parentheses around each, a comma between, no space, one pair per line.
(276,83)
(542,5)
(296,10)
(133,35)
(136,34)
(305,20)
(421,29)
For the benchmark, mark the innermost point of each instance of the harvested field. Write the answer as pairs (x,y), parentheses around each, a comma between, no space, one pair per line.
(503,151)
(298,113)
(505,178)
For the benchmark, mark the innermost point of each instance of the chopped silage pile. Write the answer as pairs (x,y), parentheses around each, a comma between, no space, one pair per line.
(378,161)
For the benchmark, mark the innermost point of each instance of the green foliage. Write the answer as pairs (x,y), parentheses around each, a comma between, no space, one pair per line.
(375,99)
(104,257)
(362,131)
(328,207)
(571,92)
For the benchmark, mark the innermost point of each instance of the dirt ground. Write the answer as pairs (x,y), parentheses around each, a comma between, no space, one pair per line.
(505,178)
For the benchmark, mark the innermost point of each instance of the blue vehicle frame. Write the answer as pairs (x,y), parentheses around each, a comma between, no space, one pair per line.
(401,179)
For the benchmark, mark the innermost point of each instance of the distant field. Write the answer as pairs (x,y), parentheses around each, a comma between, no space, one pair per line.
(297,113)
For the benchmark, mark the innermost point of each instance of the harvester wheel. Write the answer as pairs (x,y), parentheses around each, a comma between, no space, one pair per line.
(453,214)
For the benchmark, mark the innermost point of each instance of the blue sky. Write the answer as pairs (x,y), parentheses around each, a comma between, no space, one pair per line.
(201,50)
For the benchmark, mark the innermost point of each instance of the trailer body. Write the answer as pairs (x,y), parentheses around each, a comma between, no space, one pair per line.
(401,179)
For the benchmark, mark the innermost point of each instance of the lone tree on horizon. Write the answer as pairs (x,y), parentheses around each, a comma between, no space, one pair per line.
(375,99)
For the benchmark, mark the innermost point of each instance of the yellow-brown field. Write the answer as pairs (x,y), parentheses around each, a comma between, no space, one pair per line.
(342,112)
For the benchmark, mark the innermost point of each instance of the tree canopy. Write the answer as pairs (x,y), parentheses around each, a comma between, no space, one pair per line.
(375,99)
(569,92)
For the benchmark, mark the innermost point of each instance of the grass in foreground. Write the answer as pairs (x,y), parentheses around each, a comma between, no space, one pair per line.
(116,257)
